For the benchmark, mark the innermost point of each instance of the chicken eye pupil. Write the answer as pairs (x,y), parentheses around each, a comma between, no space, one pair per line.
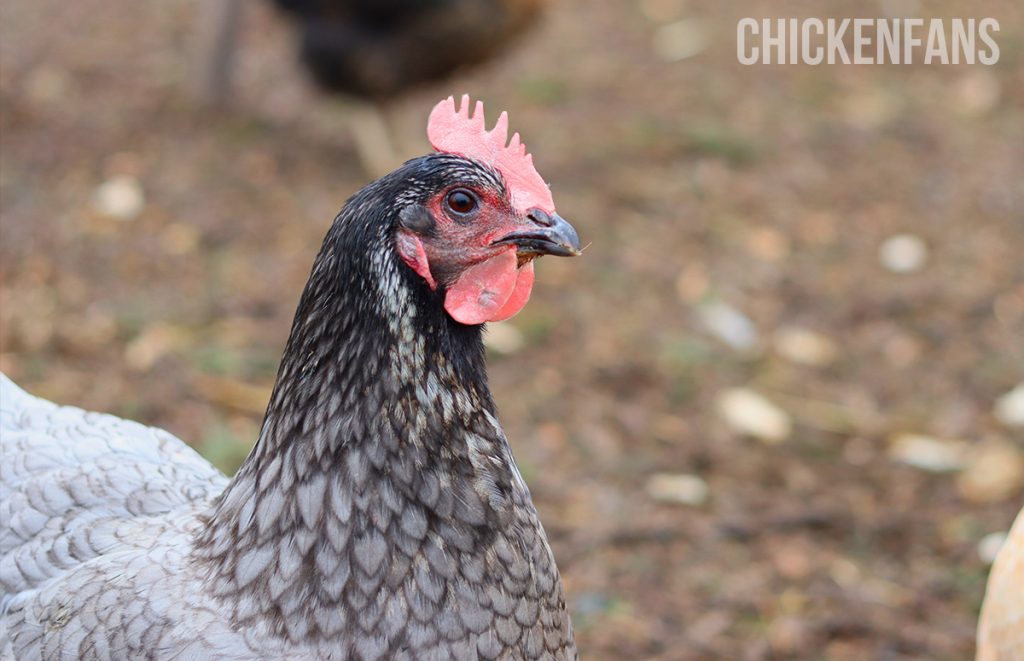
(461,201)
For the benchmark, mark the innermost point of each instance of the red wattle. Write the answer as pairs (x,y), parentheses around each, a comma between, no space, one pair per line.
(492,290)
(520,295)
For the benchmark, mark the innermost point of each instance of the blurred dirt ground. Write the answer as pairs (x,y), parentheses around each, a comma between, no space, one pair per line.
(742,277)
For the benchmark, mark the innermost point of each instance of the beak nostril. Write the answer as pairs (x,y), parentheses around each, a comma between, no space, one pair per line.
(552,235)
(540,217)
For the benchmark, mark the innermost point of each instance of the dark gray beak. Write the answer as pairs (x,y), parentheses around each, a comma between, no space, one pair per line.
(549,234)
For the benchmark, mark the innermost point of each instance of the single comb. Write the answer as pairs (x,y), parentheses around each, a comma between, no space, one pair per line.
(454,131)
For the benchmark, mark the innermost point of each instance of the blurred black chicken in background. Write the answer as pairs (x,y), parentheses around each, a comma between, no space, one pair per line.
(372,50)
(376,49)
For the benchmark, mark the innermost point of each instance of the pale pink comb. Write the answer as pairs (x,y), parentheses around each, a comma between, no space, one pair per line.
(455,131)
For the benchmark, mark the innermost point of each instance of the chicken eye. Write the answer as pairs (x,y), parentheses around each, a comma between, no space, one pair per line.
(461,202)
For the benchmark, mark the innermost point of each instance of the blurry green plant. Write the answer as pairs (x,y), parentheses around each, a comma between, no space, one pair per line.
(543,90)
(681,358)
(216,359)
(226,448)
(720,141)
(225,361)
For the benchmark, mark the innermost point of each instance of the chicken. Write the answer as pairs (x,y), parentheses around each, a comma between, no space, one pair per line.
(380,514)
(1001,627)
(376,49)
(373,50)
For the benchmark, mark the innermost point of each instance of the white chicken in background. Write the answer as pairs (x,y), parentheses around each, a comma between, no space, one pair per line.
(1001,627)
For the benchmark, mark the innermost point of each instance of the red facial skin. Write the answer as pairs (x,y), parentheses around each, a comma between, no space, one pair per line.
(484,281)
